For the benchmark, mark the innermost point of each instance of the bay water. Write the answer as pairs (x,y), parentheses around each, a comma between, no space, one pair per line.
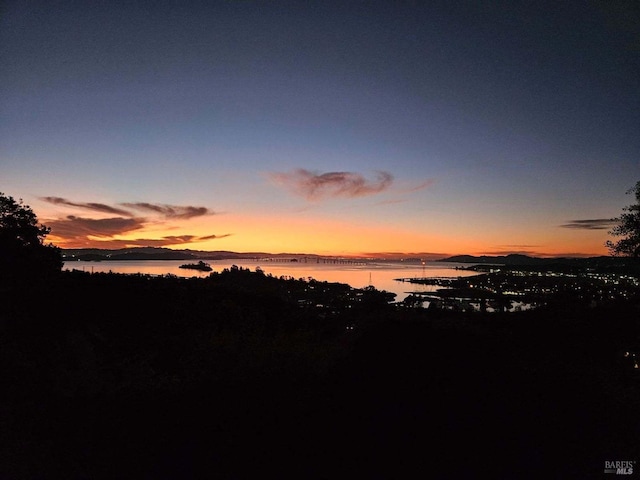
(381,275)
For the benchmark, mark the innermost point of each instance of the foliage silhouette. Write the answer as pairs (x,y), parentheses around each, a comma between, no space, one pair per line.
(134,376)
(628,227)
(23,253)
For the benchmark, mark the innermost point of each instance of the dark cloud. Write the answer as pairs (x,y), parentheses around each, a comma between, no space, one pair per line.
(77,230)
(180,238)
(510,252)
(73,227)
(513,250)
(170,211)
(172,240)
(167,211)
(214,237)
(593,224)
(96,207)
(317,186)
(138,242)
(114,243)
(80,230)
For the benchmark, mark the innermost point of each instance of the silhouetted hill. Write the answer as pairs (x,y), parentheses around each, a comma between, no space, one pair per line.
(513,259)
(157,253)
(560,263)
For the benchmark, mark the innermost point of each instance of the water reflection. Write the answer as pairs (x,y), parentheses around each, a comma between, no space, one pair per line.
(380,275)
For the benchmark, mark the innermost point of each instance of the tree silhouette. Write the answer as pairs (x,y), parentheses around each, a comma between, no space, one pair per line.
(23,254)
(628,227)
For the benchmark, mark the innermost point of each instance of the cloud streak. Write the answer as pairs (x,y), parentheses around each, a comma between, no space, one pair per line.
(75,231)
(73,227)
(170,240)
(95,207)
(170,211)
(510,252)
(114,243)
(421,186)
(319,186)
(214,237)
(592,224)
(166,211)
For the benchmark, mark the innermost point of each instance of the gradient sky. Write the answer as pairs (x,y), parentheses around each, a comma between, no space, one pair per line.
(335,128)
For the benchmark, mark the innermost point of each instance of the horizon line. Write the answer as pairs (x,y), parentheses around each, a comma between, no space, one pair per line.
(363,255)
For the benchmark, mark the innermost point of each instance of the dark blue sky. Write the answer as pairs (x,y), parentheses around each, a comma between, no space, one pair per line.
(499,125)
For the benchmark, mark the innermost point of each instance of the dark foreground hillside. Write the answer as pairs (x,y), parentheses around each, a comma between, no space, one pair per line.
(242,374)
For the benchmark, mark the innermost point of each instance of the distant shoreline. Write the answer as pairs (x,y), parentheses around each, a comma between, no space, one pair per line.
(155,253)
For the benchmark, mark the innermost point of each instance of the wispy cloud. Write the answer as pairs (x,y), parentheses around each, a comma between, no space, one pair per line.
(513,249)
(420,186)
(73,227)
(95,207)
(170,211)
(166,211)
(74,231)
(170,241)
(392,201)
(401,190)
(319,186)
(510,252)
(214,237)
(592,224)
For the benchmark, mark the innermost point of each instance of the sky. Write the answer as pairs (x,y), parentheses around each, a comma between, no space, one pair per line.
(334,128)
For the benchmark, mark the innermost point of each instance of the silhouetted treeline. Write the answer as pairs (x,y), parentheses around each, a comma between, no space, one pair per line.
(242,373)
(159,323)
(622,264)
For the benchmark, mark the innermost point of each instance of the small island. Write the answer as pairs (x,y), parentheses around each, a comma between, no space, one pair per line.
(205,267)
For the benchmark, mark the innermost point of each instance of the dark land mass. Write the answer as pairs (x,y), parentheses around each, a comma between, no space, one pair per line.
(242,374)
(519,260)
(158,253)
(557,264)
(524,286)
(513,259)
(205,267)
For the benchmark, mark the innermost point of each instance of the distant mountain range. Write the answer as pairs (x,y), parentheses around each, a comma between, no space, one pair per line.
(524,260)
(513,259)
(156,253)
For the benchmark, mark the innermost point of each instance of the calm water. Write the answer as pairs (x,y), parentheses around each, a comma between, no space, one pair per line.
(380,275)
